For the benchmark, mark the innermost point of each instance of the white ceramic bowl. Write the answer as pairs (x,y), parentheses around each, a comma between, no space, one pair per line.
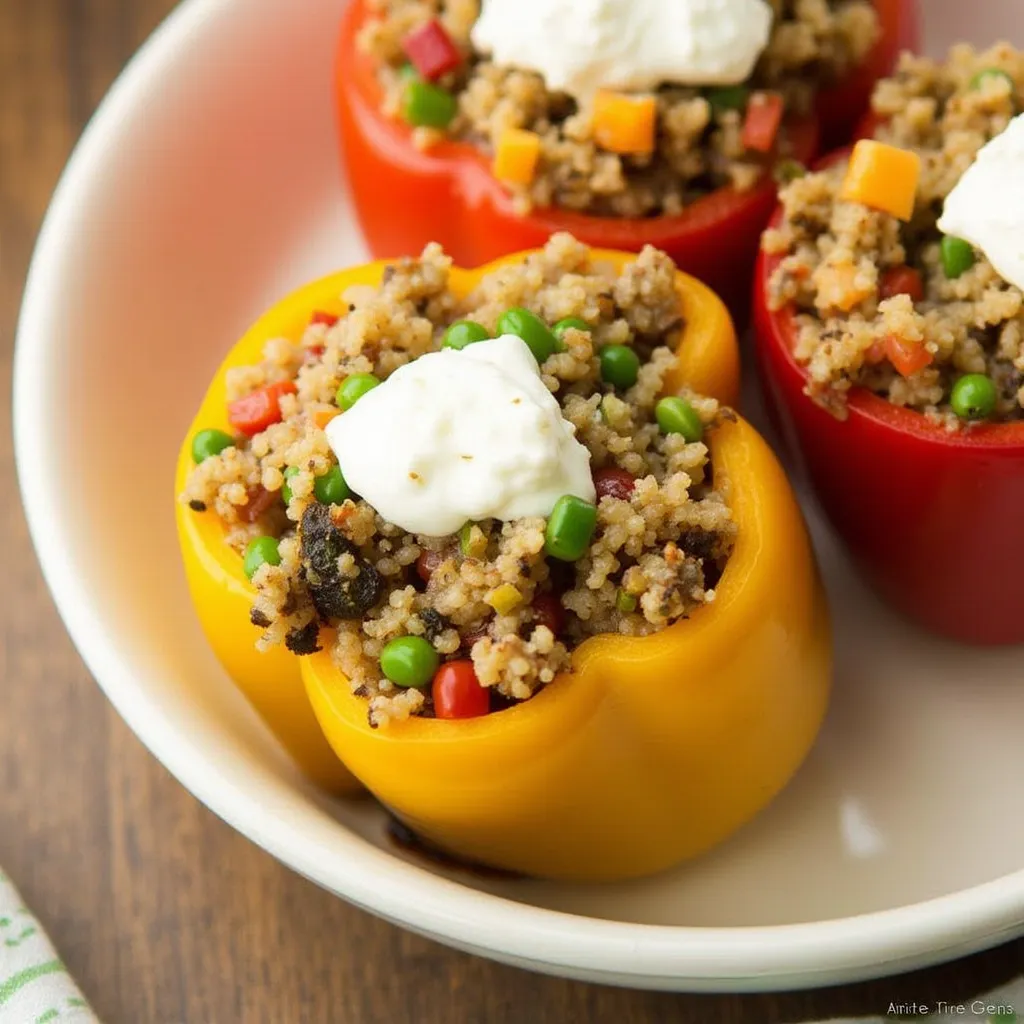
(206,187)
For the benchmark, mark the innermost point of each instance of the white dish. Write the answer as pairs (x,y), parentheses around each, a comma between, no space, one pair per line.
(206,187)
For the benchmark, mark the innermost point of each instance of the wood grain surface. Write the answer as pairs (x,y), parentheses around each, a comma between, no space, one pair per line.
(161,911)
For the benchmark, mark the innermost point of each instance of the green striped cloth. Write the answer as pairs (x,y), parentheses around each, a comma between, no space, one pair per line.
(35,987)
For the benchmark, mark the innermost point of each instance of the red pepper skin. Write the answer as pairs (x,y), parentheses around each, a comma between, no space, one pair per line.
(449,194)
(932,519)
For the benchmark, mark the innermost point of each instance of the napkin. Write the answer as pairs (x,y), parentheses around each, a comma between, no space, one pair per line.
(35,987)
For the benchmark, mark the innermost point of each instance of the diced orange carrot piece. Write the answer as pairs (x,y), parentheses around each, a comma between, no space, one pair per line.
(907,356)
(624,124)
(883,177)
(515,160)
(324,416)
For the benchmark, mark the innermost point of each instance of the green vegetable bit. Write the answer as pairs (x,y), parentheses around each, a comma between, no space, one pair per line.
(570,528)
(957,256)
(728,97)
(979,80)
(210,442)
(788,170)
(409,661)
(353,388)
(562,326)
(261,550)
(620,366)
(286,491)
(528,326)
(463,333)
(625,602)
(330,488)
(427,106)
(974,397)
(676,416)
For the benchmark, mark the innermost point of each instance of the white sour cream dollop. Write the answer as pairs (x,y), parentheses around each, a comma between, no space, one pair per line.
(986,208)
(580,46)
(461,435)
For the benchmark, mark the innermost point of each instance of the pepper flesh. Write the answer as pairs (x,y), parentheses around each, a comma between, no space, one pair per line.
(220,591)
(653,749)
(931,518)
(449,193)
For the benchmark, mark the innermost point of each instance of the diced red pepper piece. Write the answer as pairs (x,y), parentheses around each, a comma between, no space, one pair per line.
(320,317)
(313,353)
(457,692)
(427,563)
(901,281)
(431,50)
(257,411)
(260,499)
(614,483)
(907,356)
(763,120)
(548,611)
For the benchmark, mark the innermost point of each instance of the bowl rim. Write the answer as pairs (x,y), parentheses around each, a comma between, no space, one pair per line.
(643,955)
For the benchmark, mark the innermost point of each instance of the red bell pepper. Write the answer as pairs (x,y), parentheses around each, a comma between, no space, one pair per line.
(932,519)
(431,50)
(406,197)
(260,409)
(762,121)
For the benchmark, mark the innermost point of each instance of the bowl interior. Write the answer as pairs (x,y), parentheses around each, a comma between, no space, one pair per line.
(203,192)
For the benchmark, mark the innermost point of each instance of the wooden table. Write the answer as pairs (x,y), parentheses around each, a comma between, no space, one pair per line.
(162,912)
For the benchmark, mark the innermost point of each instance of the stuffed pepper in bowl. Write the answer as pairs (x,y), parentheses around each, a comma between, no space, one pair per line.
(627,122)
(891,335)
(553,601)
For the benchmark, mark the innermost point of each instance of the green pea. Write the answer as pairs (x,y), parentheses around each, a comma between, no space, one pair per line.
(625,602)
(528,326)
(409,661)
(676,416)
(463,333)
(620,366)
(286,491)
(570,528)
(330,488)
(562,326)
(991,74)
(210,442)
(427,106)
(957,256)
(353,388)
(728,97)
(261,550)
(973,397)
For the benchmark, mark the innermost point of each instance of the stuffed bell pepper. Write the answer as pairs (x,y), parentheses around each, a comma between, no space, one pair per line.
(553,601)
(626,122)
(890,307)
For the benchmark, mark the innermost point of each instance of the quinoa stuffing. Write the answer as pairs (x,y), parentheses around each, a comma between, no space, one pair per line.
(892,303)
(501,603)
(624,154)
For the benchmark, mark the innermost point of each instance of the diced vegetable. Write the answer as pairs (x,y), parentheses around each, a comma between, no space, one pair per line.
(883,177)
(472,541)
(428,106)
(957,256)
(320,317)
(208,443)
(261,551)
(463,333)
(677,416)
(620,366)
(431,51)
(786,171)
(570,527)
(528,326)
(353,388)
(548,611)
(727,97)
(901,281)
(324,416)
(762,121)
(986,75)
(331,488)
(409,661)
(573,322)
(974,397)
(286,490)
(516,156)
(625,124)
(260,409)
(908,357)
(625,602)
(612,482)
(504,598)
(457,692)
(427,563)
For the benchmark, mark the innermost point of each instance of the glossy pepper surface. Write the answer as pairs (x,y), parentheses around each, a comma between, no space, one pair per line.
(652,749)
(450,195)
(932,519)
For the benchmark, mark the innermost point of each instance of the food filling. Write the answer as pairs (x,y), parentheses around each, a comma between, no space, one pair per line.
(904,262)
(452,493)
(626,108)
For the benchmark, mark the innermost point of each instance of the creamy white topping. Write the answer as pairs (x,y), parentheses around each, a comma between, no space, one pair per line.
(461,435)
(986,208)
(580,46)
